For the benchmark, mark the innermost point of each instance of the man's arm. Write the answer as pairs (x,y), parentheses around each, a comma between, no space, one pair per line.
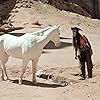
(76,49)
(88,43)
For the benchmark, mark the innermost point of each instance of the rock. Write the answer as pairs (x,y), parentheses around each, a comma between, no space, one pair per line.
(1,21)
(37,23)
(42,74)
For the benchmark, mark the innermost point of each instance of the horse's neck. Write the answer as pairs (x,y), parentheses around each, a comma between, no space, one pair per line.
(48,35)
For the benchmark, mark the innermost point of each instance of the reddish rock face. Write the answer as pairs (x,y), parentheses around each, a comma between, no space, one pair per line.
(6,7)
(68,6)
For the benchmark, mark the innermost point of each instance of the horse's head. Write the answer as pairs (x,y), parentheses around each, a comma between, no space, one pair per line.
(75,31)
(56,37)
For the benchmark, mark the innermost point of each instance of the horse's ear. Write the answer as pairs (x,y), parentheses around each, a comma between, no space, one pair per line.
(58,26)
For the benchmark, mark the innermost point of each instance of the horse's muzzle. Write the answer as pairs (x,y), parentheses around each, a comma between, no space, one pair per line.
(58,45)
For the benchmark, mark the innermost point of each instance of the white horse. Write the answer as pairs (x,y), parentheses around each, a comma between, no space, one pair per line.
(27,47)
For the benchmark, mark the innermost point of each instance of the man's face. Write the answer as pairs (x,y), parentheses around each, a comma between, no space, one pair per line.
(74,32)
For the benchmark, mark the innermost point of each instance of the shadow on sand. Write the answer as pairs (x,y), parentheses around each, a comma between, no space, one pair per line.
(51,45)
(29,83)
(65,38)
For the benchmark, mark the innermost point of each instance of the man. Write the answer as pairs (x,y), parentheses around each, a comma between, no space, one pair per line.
(83,47)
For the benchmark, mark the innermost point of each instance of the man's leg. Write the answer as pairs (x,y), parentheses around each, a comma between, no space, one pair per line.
(89,65)
(82,65)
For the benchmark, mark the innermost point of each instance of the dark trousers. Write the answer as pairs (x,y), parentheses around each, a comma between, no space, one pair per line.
(85,58)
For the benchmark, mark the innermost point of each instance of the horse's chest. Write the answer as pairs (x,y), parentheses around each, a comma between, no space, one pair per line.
(33,52)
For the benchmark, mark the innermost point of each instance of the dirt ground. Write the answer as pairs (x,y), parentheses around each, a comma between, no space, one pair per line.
(59,62)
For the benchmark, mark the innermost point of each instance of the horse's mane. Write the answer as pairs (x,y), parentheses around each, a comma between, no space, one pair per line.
(40,32)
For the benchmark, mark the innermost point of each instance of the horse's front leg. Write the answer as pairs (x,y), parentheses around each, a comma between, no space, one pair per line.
(34,64)
(24,65)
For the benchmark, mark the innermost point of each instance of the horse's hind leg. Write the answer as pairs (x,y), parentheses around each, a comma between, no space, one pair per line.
(25,62)
(2,74)
(4,60)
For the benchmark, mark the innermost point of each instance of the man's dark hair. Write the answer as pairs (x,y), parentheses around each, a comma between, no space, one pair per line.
(76,40)
(76,28)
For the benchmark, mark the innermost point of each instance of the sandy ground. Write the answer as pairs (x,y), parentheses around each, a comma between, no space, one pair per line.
(57,61)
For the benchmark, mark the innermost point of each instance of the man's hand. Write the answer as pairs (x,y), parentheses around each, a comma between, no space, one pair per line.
(76,57)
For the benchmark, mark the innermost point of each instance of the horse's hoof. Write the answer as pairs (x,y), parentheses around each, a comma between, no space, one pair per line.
(2,79)
(34,82)
(9,80)
(20,81)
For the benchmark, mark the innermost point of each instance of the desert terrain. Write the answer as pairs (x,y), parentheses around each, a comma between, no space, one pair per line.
(58,62)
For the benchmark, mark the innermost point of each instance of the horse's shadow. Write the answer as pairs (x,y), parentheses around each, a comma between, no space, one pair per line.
(65,38)
(38,84)
(51,45)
